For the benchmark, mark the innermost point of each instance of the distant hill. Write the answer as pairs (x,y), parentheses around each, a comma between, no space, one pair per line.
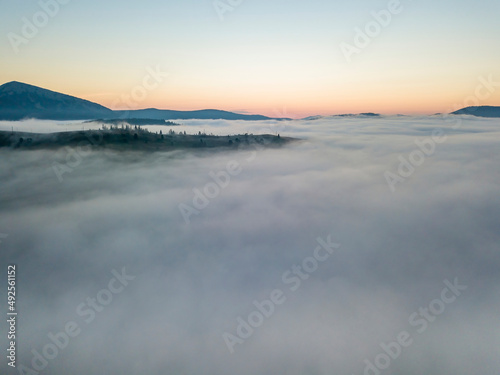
(483,111)
(205,114)
(369,114)
(20,101)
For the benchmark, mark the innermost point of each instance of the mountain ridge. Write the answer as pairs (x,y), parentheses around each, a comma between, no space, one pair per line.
(480,111)
(20,101)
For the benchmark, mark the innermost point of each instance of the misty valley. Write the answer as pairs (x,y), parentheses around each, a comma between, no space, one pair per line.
(315,242)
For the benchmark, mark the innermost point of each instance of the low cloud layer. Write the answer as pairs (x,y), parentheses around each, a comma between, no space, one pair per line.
(189,283)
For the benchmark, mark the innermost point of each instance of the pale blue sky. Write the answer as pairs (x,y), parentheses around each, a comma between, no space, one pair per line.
(264,54)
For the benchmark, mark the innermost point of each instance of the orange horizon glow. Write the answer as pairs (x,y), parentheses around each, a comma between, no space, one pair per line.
(276,99)
(292,109)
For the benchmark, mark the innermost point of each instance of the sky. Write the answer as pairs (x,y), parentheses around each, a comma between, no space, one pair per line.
(189,282)
(279,58)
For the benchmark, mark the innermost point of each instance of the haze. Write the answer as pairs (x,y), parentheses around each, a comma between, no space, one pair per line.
(193,280)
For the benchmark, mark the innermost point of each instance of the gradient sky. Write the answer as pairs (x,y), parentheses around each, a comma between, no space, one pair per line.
(270,57)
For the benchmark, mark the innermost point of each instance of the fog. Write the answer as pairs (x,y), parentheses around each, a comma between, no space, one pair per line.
(400,240)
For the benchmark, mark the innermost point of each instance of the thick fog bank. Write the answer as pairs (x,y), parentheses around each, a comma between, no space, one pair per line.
(370,247)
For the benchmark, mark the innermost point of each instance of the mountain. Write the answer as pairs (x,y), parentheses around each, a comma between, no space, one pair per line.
(483,111)
(20,100)
(313,118)
(205,114)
